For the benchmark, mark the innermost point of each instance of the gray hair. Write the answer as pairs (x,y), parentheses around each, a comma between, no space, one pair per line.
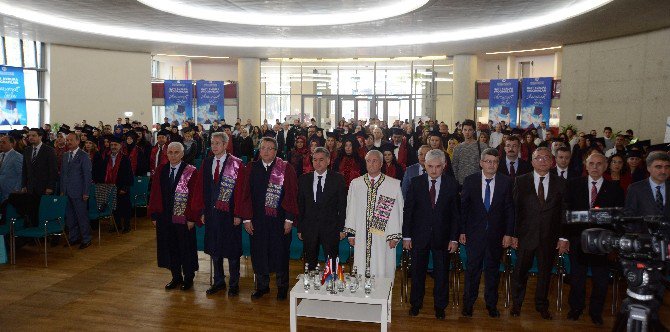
(322,150)
(269,139)
(657,155)
(425,146)
(542,148)
(375,153)
(436,154)
(489,152)
(223,136)
(179,146)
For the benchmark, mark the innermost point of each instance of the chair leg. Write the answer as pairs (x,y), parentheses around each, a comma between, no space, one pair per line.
(135,217)
(115,227)
(559,292)
(99,232)
(45,251)
(68,243)
(211,269)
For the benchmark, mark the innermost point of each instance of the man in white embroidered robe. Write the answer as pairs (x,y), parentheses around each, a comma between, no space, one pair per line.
(374,218)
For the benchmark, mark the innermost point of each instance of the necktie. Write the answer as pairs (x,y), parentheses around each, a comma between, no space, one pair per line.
(372,182)
(423,171)
(432,193)
(34,154)
(594,193)
(69,159)
(217,174)
(563,174)
(487,195)
(319,189)
(659,198)
(172,176)
(512,171)
(540,190)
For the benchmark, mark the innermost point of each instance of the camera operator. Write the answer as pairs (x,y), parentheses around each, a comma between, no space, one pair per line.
(588,192)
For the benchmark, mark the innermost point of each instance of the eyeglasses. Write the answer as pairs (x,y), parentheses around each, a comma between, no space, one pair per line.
(265,148)
(542,158)
(490,162)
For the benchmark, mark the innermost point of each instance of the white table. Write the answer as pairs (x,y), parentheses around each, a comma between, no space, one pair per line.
(358,307)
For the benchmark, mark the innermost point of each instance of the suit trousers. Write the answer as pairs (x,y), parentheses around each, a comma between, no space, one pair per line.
(579,264)
(330,243)
(233,271)
(486,254)
(263,281)
(545,253)
(440,274)
(76,216)
(181,253)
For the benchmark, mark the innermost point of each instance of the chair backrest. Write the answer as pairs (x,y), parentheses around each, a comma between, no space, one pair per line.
(139,191)
(52,207)
(92,203)
(11,214)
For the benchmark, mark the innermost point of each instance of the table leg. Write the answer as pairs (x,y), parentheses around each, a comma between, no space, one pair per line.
(384,318)
(294,323)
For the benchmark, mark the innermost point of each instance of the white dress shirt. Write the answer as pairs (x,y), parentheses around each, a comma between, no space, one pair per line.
(545,183)
(72,154)
(36,150)
(599,184)
(653,189)
(516,164)
(565,174)
(492,185)
(221,161)
(316,181)
(438,182)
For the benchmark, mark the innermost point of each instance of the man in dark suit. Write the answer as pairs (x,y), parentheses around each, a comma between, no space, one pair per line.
(540,204)
(562,168)
(650,196)
(430,225)
(75,182)
(322,203)
(586,193)
(512,165)
(40,170)
(282,133)
(486,227)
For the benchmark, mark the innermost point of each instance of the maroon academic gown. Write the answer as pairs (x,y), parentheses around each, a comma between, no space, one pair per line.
(175,242)
(269,246)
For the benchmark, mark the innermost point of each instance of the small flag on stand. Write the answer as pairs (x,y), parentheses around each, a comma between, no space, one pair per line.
(340,273)
(327,271)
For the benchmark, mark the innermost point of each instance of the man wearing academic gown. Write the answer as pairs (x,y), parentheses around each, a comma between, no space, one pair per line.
(116,169)
(158,155)
(223,177)
(273,204)
(173,208)
(374,218)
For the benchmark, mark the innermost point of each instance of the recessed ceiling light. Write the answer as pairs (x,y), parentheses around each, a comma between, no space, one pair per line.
(571,9)
(237,16)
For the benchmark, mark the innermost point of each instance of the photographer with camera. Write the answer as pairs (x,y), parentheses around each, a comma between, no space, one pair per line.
(587,192)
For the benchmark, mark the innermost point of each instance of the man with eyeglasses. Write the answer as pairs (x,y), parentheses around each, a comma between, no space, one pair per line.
(273,186)
(540,200)
(486,227)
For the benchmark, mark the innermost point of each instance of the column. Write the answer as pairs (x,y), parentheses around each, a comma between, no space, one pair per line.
(249,90)
(465,76)
(558,64)
(511,67)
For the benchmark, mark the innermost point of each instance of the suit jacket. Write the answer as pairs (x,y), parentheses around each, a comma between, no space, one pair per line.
(281,142)
(539,223)
(520,166)
(124,177)
(571,173)
(641,201)
(328,215)
(427,226)
(477,223)
(610,195)
(76,174)
(40,174)
(411,172)
(10,174)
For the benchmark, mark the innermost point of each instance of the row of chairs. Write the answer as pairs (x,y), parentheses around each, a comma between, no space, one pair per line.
(51,216)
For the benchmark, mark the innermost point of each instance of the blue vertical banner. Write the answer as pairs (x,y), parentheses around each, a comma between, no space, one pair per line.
(504,101)
(535,101)
(12,97)
(209,100)
(179,100)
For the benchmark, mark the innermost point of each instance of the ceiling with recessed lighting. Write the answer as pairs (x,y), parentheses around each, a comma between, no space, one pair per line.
(328,28)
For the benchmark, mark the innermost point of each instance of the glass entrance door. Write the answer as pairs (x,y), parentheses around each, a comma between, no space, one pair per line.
(322,108)
(392,108)
(356,107)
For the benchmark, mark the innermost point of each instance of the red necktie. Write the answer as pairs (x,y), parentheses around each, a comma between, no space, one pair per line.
(432,193)
(512,171)
(540,190)
(594,193)
(217,174)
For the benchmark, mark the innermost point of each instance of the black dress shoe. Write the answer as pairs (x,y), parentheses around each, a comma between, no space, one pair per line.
(414,311)
(257,294)
(597,319)
(493,312)
(173,284)
(545,314)
(125,231)
(85,245)
(466,312)
(215,288)
(233,291)
(439,313)
(281,294)
(516,311)
(187,285)
(574,314)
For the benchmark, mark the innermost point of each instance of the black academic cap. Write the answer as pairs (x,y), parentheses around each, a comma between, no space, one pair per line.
(435,133)
(644,144)
(387,147)
(132,134)
(600,140)
(507,132)
(634,153)
(319,129)
(127,125)
(114,139)
(269,133)
(361,134)
(78,128)
(517,131)
(397,131)
(164,132)
(88,127)
(16,134)
(665,147)
(39,131)
(65,126)
(64,130)
(333,134)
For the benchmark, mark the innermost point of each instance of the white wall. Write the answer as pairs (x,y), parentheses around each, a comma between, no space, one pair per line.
(97,85)
(622,82)
(214,71)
